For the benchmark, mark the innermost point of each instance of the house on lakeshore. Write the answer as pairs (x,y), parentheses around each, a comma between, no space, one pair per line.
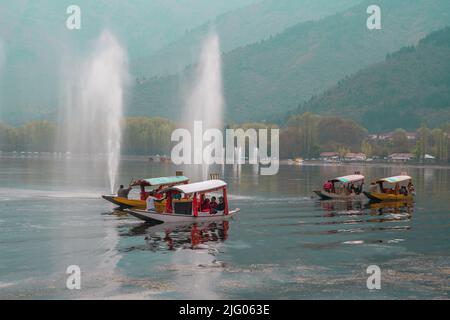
(355,157)
(429,158)
(400,157)
(329,156)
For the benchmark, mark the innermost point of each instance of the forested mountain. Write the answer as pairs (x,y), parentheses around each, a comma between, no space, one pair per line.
(255,22)
(411,87)
(276,75)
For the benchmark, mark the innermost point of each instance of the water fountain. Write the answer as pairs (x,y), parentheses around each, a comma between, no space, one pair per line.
(94,104)
(205,102)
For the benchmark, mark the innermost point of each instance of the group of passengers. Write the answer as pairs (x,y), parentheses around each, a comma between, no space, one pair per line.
(350,188)
(124,192)
(211,205)
(404,190)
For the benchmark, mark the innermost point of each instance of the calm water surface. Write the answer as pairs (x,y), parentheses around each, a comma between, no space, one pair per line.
(284,244)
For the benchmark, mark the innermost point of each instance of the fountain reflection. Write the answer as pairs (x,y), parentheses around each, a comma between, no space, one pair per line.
(169,236)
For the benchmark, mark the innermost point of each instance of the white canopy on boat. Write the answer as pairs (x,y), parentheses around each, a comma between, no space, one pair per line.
(203,186)
(395,179)
(350,178)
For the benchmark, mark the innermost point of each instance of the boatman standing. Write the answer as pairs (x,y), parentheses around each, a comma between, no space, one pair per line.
(122,192)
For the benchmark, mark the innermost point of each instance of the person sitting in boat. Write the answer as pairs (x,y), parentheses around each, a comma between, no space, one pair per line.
(156,194)
(213,205)
(122,192)
(150,201)
(359,188)
(411,187)
(220,205)
(144,194)
(327,186)
(348,189)
(397,189)
(352,188)
(404,191)
(176,196)
(205,207)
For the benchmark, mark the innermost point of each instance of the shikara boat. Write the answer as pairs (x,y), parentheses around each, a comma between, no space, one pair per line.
(399,188)
(183,203)
(155,183)
(341,188)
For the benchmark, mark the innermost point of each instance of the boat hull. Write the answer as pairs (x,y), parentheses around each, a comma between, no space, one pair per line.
(332,196)
(125,203)
(379,197)
(152,216)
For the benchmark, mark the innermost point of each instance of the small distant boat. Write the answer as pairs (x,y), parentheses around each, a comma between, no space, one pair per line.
(182,203)
(157,158)
(161,182)
(402,189)
(340,188)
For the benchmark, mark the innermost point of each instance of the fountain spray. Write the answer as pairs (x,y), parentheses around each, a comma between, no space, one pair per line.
(94,108)
(205,102)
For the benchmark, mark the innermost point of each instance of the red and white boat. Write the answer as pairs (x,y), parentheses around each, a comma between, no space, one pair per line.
(183,203)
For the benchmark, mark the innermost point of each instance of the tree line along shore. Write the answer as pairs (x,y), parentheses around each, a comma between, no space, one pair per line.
(307,135)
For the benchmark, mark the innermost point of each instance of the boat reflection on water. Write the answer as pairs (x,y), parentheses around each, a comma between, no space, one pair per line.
(373,223)
(399,207)
(193,236)
(335,208)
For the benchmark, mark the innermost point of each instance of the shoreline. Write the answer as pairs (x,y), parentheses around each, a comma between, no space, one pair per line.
(284,162)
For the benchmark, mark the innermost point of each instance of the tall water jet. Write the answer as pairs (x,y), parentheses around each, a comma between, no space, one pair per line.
(205,102)
(94,107)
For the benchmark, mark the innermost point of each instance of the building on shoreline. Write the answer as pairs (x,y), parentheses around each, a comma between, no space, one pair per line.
(329,156)
(400,157)
(355,157)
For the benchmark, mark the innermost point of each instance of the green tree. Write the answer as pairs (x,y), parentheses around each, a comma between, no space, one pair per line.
(335,132)
(342,151)
(304,127)
(440,144)
(422,142)
(144,135)
(400,142)
(367,148)
(38,135)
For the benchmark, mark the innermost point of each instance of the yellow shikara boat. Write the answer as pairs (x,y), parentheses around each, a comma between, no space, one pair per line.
(403,189)
(124,203)
(160,183)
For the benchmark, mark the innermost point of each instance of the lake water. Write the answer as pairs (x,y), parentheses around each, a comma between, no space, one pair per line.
(284,244)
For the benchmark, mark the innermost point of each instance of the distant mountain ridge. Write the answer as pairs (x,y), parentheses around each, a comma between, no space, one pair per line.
(276,75)
(410,87)
(258,21)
